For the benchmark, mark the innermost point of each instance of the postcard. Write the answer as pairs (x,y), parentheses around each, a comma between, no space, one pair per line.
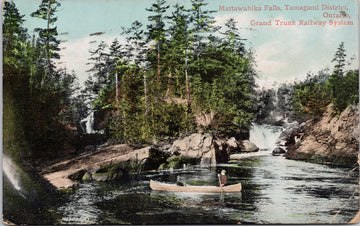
(174,112)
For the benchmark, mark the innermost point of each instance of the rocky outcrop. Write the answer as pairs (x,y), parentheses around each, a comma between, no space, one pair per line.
(114,162)
(198,146)
(293,133)
(248,146)
(209,149)
(331,138)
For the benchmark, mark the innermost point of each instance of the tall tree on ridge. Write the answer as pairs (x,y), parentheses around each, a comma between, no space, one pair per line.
(339,58)
(157,29)
(47,36)
(201,24)
(13,32)
(135,39)
(179,43)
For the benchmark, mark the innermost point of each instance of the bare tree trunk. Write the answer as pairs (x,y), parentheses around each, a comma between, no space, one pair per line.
(47,46)
(187,82)
(169,86)
(117,87)
(159,68)
(146,97)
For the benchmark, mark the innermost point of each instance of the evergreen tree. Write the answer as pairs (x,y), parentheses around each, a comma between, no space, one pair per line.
(339,59)
(156,29)
(177,52)
(47,36)
(135,39)
(15,36)
(201,21)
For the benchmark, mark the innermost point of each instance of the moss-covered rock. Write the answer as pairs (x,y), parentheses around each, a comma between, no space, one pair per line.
(87,177)
(78,175)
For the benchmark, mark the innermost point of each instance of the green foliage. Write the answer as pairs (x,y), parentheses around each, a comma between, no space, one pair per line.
(345,90)
(36,113)
(264,103)
(163,120)
(225,83)
(311,98)
(213,72)
(341,89)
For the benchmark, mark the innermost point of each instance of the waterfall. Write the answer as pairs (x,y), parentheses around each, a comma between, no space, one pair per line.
(12,173)
(264,136)
(87,124)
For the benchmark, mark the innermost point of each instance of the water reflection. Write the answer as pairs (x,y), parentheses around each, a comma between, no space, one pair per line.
(275,190)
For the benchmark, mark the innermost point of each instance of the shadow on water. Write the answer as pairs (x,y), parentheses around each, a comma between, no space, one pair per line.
(155,208)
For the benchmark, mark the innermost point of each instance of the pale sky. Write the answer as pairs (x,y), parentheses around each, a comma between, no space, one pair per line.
(282,53)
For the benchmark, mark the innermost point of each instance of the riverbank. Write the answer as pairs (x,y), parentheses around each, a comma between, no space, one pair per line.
(114,161)
(58,173)
(330,139)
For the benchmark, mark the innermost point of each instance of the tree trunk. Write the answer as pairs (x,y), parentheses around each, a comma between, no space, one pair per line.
(187,81)
(169,86)
(159,68)
(47,45)
(146,97)
(117,87)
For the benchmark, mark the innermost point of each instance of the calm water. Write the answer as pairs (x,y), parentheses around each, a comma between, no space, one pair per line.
(275,191)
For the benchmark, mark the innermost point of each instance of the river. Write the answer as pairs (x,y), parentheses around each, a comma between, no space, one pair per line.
(275,191)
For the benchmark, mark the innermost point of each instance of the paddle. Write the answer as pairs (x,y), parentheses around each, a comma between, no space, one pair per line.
(220,184)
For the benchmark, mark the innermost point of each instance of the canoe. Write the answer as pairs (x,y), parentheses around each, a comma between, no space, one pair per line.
(158,186)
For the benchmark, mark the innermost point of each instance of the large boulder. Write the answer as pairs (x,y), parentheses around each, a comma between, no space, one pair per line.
(278,151)
(248,146)
(291,134)
(198,146)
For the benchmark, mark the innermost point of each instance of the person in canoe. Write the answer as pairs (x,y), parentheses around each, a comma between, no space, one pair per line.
(222,178)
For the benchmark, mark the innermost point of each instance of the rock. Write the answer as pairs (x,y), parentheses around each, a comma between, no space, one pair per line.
(278,150)
(100,177)
(292,132)
(333,138)
(87,177)
(77,176)
(233,143)
(197,146)
(248,146)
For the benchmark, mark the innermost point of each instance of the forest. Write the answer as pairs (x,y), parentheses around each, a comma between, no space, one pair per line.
(176,74)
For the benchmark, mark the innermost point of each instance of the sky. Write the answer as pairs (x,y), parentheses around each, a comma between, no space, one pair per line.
(283,53)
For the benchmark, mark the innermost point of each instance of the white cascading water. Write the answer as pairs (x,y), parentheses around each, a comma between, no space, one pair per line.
(89,123)
(11,172)
(264,136)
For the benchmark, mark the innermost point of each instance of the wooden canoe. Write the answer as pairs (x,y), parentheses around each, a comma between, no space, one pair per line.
(158,186)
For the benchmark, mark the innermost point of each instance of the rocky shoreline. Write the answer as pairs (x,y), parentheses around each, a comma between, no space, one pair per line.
(330,139)
(114,161)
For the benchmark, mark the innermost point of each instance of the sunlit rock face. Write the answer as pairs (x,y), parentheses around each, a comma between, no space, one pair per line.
(335,137)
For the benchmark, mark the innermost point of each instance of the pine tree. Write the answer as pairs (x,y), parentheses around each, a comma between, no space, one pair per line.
(47,36)
(156,29)
(14,34)
(201,21)
(177,51)
(339,59)
(135,39)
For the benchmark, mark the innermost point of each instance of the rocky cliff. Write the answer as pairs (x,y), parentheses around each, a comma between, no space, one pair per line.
(330,138)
